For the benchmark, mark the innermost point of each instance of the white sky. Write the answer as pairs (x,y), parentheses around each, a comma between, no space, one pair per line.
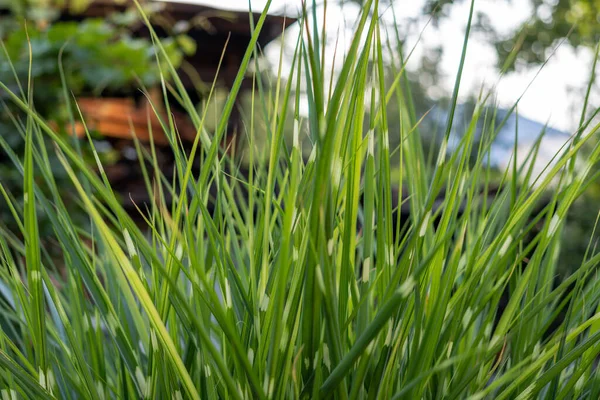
(547,100)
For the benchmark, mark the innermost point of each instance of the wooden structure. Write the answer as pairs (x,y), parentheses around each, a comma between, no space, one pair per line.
(222,38)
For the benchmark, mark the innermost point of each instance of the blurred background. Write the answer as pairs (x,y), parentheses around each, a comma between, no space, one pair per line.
(535,54)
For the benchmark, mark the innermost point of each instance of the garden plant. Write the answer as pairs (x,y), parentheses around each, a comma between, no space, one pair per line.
(293,280)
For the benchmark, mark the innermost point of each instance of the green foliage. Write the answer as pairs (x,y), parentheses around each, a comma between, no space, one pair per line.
(42,8)
(293,281)
(576,21)
(97,57)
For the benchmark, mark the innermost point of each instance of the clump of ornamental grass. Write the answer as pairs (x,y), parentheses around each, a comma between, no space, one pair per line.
(295,280)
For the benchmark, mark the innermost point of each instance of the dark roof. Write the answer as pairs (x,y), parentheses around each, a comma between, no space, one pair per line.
(203,18)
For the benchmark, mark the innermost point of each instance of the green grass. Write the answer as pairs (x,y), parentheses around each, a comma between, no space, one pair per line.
(294,280)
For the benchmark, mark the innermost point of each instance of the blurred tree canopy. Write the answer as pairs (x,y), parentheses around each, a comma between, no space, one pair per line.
(576,21)
(37,8)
